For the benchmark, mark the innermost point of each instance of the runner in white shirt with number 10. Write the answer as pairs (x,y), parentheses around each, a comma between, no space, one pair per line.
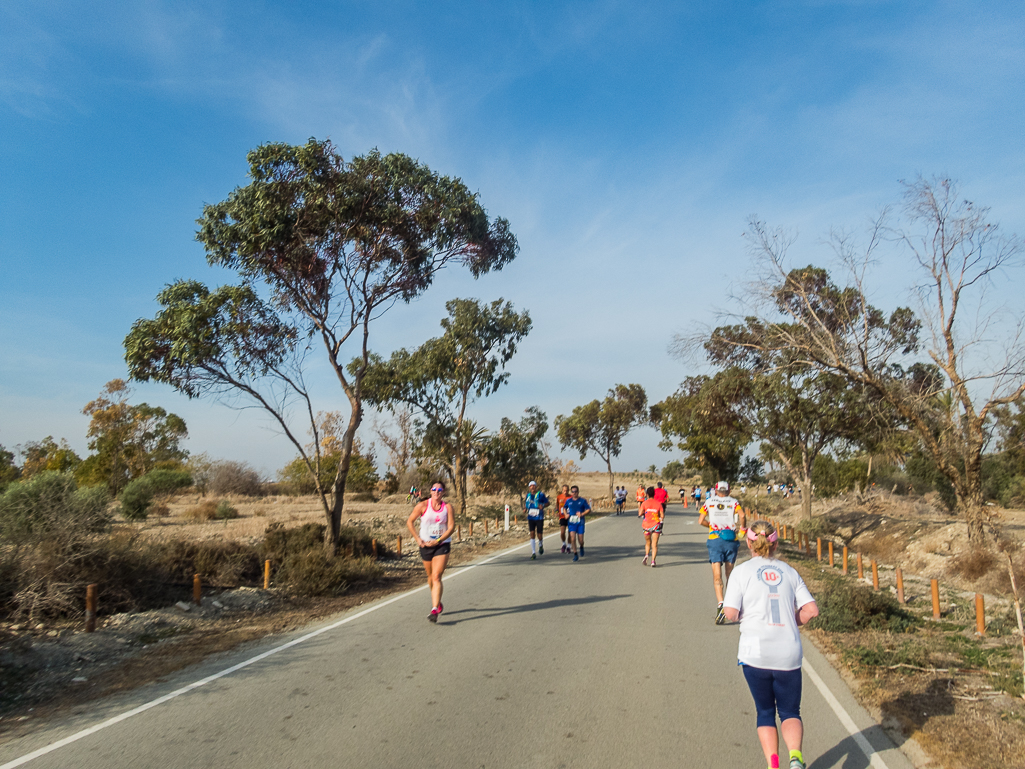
(771,601)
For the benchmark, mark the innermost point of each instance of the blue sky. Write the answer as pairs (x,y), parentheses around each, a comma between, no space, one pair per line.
(627,143)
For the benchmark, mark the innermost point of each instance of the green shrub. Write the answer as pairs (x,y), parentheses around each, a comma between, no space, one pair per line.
(224,511)
(846,606)
(305,568)
(50,504)
(138,494)
(1013,494)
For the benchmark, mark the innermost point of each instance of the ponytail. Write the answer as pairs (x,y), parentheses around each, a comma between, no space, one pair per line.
(762,536)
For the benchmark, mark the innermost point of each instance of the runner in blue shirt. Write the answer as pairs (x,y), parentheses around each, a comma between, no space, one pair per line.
(576,507)
(534,505)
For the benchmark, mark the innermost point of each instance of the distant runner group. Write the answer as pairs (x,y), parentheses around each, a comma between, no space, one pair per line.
(765,595)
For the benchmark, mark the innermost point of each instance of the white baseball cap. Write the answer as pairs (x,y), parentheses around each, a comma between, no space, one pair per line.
(532,483)
(722,486)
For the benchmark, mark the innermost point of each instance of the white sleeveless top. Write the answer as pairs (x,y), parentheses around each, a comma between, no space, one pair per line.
(434,522)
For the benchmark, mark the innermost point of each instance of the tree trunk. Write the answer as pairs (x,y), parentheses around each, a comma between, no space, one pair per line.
(459,479)
(807,462)
(806,496)
(334,518)
(970,504)
(612,478)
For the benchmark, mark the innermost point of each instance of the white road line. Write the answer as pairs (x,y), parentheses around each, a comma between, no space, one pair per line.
(866,747)
(228,671)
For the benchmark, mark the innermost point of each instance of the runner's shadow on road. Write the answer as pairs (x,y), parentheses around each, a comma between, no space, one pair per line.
(557,603)
(846,754)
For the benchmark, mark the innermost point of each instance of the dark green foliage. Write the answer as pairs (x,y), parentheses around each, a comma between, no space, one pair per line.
(831,477)
(846,606)
(600,426)
(9,472)
(514,455)
(138,494)
(335,243)
(699,420)
(674,469)
(446,374)
(751,471)
(362,475)
(925,476)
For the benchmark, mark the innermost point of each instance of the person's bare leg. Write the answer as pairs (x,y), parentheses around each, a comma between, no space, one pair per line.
(717,581)
(769,740)
(438,562)
(654,546)
(729,571)
(647,545)
(429,568)
(793,733)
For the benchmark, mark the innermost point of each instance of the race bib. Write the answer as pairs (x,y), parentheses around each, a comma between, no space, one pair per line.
(434,530)
(574,519)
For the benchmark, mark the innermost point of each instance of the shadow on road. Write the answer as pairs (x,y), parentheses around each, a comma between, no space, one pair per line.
(847,754)
(557,603)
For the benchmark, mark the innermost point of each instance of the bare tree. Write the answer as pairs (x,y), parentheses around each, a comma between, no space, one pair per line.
(975,351)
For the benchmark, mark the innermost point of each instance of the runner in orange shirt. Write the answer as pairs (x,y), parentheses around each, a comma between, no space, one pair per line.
(652,514)
(560,502)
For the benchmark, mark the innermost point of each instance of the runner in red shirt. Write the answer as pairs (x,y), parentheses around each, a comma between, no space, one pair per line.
(661,495)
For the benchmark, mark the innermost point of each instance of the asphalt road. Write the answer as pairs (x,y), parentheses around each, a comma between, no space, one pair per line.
(545,663)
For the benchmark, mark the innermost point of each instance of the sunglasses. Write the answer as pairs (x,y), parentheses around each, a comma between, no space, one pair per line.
(437,488)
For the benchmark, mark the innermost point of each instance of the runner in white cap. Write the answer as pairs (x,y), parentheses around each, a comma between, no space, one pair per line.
(534,505)
(724,518)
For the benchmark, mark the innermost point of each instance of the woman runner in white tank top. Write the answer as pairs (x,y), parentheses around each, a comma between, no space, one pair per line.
(431,523)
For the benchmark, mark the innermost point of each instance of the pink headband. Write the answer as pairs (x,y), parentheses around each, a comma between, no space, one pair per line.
(752,536)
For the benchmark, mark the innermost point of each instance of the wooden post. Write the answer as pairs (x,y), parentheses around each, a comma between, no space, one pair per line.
(352,550)
(471,528)
(830,543)
(266,574)
(935,584)
(373,546)
(845,559)
(485,527)
(861,569)
(459,533)
(875,575)
(90,608)
(398,544)
(498,524)
(783,531)
(516,520)
(197,590)
(980,614)
(818,547)
(900,586)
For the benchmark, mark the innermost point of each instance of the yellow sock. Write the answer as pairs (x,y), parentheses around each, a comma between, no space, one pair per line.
(797,754)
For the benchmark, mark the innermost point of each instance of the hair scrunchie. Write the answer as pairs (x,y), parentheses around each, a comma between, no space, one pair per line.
(752,536)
